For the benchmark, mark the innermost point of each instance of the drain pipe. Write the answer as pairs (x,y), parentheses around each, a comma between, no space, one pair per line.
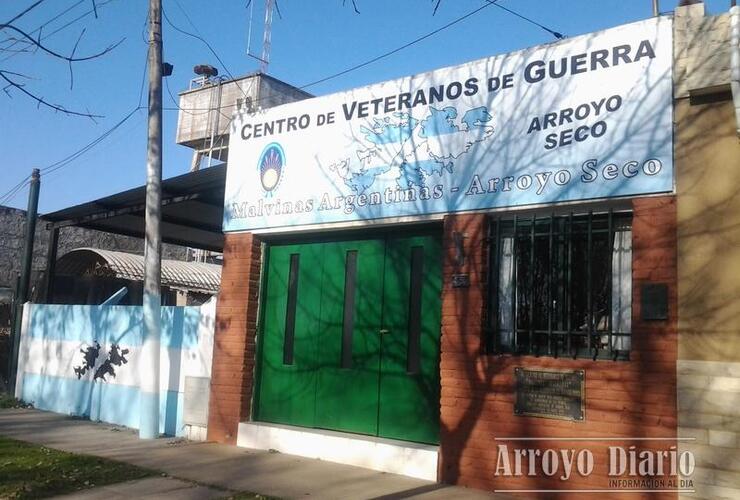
(735,60)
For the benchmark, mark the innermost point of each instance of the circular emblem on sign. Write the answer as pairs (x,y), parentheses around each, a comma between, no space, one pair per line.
(271,166)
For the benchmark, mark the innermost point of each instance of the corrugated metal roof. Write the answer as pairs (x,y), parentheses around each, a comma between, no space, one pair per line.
(192,276)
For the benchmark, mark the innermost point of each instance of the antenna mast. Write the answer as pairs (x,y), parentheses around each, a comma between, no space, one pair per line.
(267,36)
(269,4)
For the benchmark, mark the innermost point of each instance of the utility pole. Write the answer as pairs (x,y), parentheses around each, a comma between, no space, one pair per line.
(24,283)
(656,8)
(149,387)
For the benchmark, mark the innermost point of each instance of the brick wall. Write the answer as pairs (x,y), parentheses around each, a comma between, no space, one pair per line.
(623,399)
(232,378)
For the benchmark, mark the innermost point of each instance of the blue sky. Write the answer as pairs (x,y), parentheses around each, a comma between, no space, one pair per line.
(313,39)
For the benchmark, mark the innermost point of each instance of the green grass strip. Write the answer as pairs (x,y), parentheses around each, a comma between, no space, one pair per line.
(31,471)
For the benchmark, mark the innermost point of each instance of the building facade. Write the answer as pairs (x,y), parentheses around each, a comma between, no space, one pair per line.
(481,274)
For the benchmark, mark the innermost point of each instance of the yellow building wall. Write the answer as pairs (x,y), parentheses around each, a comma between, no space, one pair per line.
(707,162)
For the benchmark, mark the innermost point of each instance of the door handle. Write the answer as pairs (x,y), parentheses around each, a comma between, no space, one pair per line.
(383,331)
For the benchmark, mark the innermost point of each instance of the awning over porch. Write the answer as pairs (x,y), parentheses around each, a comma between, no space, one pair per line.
(192,211)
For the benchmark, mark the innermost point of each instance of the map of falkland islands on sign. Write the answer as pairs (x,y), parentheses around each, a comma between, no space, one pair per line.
(410,150)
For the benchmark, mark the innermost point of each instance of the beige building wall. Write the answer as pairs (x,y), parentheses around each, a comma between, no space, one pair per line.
(707,161)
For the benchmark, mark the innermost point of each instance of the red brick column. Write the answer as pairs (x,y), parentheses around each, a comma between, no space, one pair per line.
(655,343)
(461,343)
(232,377)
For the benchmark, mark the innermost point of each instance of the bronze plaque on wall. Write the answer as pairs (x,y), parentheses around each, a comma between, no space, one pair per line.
(550,394)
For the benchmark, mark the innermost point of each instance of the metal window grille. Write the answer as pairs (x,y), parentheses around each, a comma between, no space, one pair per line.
(560,286)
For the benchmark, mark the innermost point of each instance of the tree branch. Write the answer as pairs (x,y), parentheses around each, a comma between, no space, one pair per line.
(12,79)
(40,100)
(26,11)
(354,5)
(436,7)
(56,54)
(74,49)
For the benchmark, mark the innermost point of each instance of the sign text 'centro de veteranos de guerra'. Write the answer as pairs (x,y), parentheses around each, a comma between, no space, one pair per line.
(588,117)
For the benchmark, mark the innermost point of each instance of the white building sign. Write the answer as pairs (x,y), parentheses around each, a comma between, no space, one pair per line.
(587,117)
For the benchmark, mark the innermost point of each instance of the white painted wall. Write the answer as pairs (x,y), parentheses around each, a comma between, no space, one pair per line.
(53,341)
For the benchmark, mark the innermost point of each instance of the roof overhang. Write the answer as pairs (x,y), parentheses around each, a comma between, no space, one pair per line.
(192,211)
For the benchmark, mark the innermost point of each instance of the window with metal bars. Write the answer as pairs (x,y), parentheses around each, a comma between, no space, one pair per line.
(561,285)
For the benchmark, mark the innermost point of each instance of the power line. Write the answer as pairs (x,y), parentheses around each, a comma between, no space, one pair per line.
(196,36)
(58,165)
(402,47)
(189,111)
(54,18)
(353,68)
(146,59)
(374,59)
(62,13)
(26,11)
(10,194)
(69,159)
(81,16)
(143,80)
(556,34)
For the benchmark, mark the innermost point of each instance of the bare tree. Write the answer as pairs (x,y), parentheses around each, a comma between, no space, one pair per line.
(15,81)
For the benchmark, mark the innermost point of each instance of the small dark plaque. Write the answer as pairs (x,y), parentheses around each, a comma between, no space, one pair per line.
(550,394)
(460,280)
(654,302)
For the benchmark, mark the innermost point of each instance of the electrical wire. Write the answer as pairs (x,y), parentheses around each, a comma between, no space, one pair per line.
(330,77)
(40,28)
(143,78)
(67,160)
(26,11)
(54,18)
(178,108)
(58,165)
(146,59)
(370,61)
(197,37)
(556,34)
(53,167)
(402,47)
(375,59)
(10,194)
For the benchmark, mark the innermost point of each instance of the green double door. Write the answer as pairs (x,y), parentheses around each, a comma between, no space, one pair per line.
(350,337)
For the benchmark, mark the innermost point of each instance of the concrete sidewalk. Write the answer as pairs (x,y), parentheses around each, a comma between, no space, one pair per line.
(225,468)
